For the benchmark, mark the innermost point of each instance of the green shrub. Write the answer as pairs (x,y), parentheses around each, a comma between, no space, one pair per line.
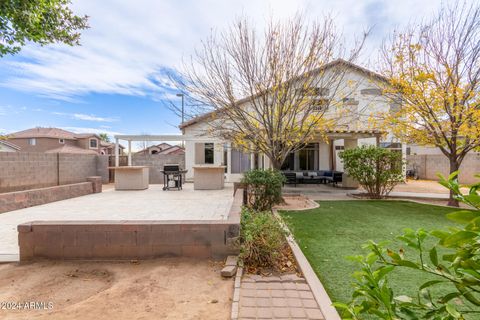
(452,263)
(264,188)
(262,238)
(376,169)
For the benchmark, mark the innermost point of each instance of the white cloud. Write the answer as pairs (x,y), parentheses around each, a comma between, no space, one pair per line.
(86,117)
(90,130)
(131,44)
(89,117)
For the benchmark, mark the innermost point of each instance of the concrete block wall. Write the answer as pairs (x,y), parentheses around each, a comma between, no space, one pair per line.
(125,240)
(23,199)
(76,167)
(102,168)
(21,171)
(156,162)
(430,164)
(31,170)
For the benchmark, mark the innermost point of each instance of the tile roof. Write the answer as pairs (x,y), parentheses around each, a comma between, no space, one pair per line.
(57,133)
(9,144)
(71,149)
(40,132)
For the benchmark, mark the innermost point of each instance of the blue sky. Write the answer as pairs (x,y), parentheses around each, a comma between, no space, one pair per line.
(116,82)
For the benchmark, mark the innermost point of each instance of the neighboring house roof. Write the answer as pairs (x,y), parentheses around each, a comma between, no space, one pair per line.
(43,133)
(173,150)
(105,144)
(322,68)
(162,146)
(9,144)
(56,133)
(71,149)
(86,135)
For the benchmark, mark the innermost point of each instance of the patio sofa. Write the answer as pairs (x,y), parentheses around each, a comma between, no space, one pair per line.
(313,177)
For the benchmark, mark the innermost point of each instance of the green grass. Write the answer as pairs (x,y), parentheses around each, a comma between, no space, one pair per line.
(337,229)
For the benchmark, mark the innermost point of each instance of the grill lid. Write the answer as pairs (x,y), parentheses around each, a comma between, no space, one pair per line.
(171,167)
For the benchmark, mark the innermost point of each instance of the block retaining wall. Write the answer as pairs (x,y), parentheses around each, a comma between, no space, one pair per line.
(126,240)
(28,198)
(429,165)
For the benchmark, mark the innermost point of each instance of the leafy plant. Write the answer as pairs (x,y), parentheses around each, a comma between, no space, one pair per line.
(264,188)
(453,263)
(262,238)
(39,21)
(376,169)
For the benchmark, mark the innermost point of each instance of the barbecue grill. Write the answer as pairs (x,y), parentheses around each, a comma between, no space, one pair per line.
(172,176)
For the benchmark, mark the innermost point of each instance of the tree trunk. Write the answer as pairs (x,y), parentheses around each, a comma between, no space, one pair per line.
(275,164)
(454,166)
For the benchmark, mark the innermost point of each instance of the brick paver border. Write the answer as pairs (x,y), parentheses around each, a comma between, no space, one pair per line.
(319,292)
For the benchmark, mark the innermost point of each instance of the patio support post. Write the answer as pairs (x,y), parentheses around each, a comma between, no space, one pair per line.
(348,182)
(252,160)
(117,159)
(129,153)
(229,160)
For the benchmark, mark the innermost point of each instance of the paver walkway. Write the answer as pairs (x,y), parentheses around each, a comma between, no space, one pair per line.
(285,297)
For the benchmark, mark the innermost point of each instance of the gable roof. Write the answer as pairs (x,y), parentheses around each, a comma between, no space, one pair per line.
(334,63)
(173,150)
(71,149)
(106,144)
(56,133)
(9,144)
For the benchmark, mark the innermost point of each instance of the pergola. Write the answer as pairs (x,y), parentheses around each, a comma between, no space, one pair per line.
(147,137)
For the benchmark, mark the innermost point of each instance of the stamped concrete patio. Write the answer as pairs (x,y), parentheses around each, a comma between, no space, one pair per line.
(150,204)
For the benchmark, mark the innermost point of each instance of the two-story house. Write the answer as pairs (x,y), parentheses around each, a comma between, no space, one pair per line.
(53,140)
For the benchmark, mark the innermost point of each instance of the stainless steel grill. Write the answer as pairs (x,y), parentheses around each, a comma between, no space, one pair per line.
(172,176)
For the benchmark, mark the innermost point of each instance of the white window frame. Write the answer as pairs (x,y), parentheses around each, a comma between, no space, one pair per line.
(32,141)
(61,141)
(90,143)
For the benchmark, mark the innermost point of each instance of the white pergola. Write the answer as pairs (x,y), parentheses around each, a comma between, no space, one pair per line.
(148,137)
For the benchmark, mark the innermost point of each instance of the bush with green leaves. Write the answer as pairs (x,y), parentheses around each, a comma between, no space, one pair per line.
(262,238)
(376,169)
(452,264)
(264,188)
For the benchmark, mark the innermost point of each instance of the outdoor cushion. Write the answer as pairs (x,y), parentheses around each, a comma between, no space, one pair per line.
(328,174)
(299,175)
(312,174)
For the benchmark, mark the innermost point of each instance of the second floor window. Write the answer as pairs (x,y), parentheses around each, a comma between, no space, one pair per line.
(32,141)
(61,141)
(321,105)
(93,143)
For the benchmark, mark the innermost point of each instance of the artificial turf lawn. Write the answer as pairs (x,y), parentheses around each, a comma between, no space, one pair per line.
(338,229)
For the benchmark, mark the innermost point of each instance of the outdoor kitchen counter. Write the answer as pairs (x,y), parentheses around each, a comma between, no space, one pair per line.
(208,177)
(131,177)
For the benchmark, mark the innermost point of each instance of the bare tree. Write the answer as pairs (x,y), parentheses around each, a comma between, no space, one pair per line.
(268,92)
(434,70)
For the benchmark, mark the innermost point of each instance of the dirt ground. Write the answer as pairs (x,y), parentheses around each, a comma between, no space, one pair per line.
(299,202)
(169,288)
(423,186)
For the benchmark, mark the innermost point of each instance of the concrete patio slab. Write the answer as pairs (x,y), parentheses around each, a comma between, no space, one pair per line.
(150,204)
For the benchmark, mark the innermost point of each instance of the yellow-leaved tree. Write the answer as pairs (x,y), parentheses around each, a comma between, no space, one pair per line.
(433,72)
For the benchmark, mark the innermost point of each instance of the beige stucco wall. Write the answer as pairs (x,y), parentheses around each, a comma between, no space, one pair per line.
(42,144)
